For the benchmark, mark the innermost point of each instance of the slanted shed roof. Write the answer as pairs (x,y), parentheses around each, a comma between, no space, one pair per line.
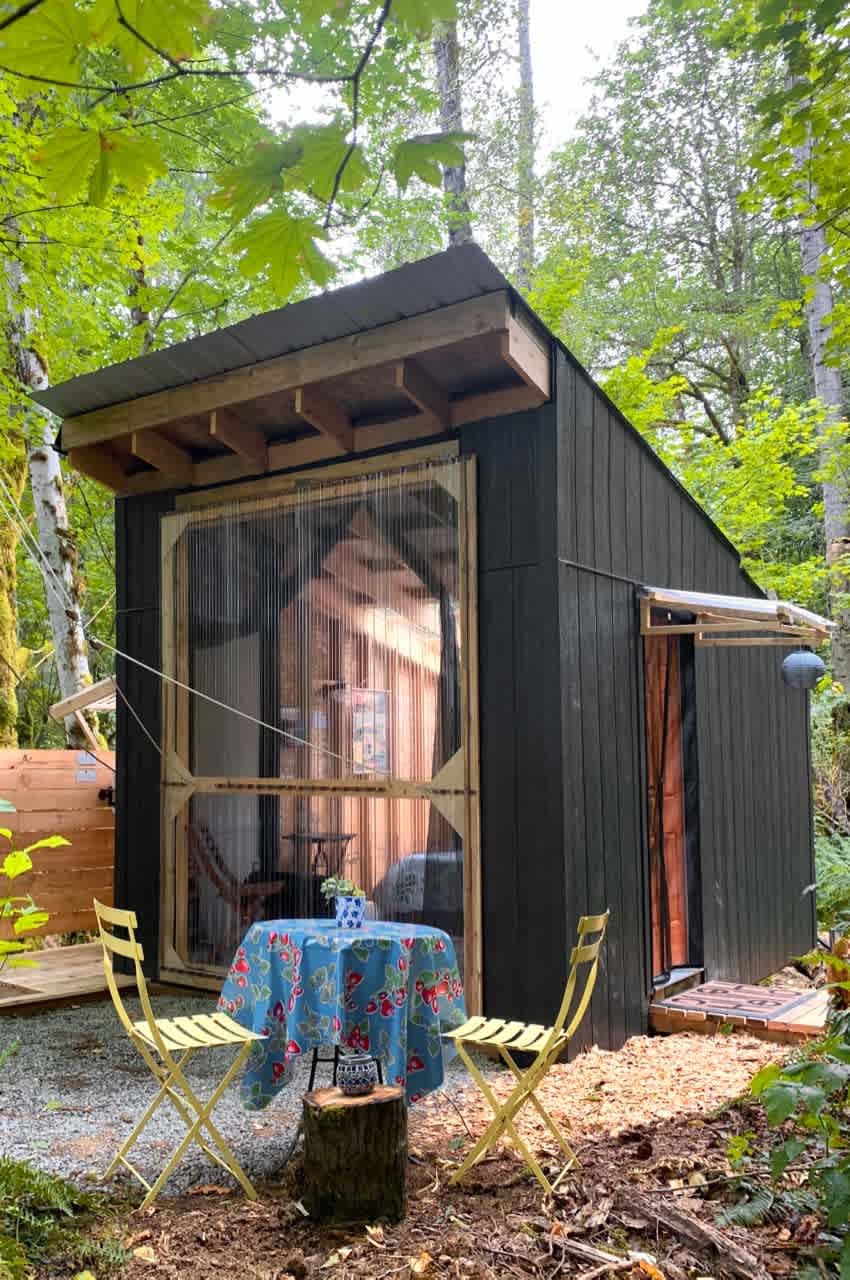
(409,354)
(412,290)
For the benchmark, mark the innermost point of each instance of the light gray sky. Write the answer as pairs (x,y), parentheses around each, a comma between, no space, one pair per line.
(565,36)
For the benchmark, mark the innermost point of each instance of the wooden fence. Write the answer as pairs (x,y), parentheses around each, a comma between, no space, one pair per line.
(56,793)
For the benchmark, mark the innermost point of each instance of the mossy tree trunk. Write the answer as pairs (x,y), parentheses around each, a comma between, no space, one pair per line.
(13,472)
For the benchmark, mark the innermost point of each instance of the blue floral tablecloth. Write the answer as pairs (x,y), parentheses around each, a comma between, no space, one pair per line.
(389,990)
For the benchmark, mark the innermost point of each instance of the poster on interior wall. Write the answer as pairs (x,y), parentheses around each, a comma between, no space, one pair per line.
(370,747)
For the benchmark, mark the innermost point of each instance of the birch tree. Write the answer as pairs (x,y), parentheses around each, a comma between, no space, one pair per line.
(56,545)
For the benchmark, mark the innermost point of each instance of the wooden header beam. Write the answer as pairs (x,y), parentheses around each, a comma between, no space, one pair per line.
(249,453)
(397,341)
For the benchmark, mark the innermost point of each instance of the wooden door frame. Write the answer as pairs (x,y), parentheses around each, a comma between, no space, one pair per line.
(456,788)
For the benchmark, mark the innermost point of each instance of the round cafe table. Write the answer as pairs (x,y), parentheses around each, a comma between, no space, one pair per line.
(389,990)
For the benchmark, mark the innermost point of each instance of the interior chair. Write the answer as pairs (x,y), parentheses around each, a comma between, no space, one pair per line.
(545,1043)
(166,1045)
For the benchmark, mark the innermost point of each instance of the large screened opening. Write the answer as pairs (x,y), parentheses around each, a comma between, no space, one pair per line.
(321,718)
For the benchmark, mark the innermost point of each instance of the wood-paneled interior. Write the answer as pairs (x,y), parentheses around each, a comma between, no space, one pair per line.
(363,623)
(55,792)
(665,761)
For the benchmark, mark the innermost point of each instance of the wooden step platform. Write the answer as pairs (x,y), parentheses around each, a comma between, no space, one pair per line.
(784,1014)
(62,975)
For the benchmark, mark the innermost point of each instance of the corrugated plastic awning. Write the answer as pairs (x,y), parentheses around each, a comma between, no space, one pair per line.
(730,620)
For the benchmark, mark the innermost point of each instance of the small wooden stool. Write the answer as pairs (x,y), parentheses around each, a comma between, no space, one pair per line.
(355,1155)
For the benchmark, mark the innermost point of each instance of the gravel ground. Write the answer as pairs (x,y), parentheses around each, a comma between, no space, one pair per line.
(76,1086)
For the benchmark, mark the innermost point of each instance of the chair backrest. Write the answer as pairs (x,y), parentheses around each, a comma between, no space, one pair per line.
(109,918)
(584,956)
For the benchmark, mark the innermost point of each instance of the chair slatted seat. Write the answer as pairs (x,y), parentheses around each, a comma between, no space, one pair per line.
(167,1045)
(546,1043)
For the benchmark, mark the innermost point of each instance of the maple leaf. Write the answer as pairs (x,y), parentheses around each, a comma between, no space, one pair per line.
(285,248)
(422,157)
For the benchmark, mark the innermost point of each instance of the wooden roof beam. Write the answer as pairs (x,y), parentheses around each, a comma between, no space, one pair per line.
(521,350)
(161,454)
(383,345)
(245,442)
(98,462)
(310,450)
(421,389)
(315,406)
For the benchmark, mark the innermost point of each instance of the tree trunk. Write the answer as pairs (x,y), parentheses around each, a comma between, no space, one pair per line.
(814,252)
(447,56)
(58,558)
(355,1155)
(13,471)
(525,152)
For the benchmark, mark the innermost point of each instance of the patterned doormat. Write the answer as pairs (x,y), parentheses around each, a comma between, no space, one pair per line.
(737,1000)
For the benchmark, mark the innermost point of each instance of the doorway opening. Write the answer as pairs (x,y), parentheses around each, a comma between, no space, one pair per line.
(675,887)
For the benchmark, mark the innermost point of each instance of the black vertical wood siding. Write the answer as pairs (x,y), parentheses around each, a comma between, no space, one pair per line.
(574,511)
(622,520)
(521,768)
(138,623)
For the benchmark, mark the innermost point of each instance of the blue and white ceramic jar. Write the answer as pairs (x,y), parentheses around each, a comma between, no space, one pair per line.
(356,1074)
(350,911)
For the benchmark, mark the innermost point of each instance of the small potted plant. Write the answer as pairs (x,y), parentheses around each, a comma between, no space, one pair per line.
(350,901)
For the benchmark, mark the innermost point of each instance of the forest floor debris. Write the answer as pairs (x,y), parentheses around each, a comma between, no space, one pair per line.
(652,1124)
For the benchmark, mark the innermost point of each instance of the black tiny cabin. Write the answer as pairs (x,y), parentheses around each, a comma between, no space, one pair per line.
(403,597)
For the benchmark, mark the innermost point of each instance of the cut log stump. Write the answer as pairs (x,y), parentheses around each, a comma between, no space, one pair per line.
(355,1155)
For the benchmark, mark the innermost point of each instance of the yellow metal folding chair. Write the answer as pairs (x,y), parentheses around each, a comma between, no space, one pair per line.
(167,1044)
(546,1043)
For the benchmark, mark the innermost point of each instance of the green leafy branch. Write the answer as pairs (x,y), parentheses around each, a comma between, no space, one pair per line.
(19,909)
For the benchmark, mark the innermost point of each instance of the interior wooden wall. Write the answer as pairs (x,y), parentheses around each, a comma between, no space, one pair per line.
(56,793)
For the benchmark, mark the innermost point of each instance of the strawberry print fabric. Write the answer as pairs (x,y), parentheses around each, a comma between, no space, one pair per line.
(389,990)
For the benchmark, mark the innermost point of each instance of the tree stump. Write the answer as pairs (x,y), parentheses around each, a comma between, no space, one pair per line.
(355,1155)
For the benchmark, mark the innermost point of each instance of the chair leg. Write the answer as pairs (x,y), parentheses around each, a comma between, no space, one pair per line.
(175,1086)
(502,1122)
(313,1065)
(553,1128)
(164,1077)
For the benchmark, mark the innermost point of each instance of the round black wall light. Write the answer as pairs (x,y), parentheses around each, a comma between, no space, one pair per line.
(802,670)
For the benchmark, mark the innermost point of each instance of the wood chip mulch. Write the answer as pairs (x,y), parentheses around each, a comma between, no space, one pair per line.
(651,1125)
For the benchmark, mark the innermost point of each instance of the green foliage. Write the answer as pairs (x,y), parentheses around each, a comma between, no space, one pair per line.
(99,141)
(686,306)
(423,157)
(43,1219)
(19,910)
(339,887)
(807,1099)
(832,864)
